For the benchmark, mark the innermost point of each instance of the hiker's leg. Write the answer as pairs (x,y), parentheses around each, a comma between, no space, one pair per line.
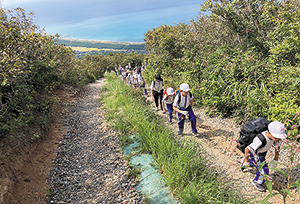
(160,99)
(170,111)
(180,123)
(192,118)
(261,168)
(155,95)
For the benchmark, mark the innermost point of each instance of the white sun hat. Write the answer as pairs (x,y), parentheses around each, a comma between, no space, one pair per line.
(184,87)
(277,129)
(170,91)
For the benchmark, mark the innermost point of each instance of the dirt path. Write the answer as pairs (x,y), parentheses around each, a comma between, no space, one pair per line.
(217,135)
(83,163)
(79,161)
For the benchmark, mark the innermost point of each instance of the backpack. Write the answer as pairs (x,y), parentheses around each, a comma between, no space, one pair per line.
(250,130)
(179,97)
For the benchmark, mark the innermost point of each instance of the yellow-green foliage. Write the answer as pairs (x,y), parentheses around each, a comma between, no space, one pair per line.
(33,64)
(239,60)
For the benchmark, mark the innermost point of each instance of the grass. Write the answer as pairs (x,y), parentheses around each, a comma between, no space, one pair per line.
(183,162)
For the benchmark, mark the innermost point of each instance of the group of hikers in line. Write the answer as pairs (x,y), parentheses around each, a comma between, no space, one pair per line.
(181,101)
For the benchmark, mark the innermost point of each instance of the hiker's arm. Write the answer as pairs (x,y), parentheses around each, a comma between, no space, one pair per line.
(247,153)
(152,94)
(164,108)
(191,101)
(176,109)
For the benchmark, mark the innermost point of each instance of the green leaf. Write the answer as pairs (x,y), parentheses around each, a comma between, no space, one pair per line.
(279,170)
(296,184)
(269,186)
(286,191)
(4,82)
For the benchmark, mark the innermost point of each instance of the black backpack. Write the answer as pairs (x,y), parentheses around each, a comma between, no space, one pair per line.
(250,130)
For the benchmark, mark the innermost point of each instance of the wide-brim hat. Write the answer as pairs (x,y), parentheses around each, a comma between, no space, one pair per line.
(185,87)
(170,91)
(277,129)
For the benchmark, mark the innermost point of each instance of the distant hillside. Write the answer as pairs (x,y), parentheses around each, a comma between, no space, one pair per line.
(107,45)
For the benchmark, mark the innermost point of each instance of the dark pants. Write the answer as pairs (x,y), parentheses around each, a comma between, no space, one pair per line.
(192,118)
(158,97)
(170,111)
(260,167)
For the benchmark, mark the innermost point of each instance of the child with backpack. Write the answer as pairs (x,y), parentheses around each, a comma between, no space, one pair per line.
(168,99)
(183,106)
(256,151)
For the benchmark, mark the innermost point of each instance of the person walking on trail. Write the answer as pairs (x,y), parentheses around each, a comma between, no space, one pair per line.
(255,153)
(129,78)
(183,106)
(141,84)
(132,64)
(157,90)
(135,81)
(168,99)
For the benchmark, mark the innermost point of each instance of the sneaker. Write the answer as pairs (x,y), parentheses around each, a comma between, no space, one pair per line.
(196,134)
(258,186)
(156,108)
(164,112)
(180,133)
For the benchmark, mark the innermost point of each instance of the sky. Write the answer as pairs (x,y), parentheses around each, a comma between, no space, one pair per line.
(112,20)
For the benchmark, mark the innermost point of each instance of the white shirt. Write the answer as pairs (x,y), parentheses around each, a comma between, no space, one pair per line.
(170,99)
(256,143)
(130,78)
(157,86)
(140,79)
(182,101)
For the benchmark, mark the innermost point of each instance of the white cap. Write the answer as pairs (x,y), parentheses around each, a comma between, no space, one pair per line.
(185,87)
(277,129)
(170,91)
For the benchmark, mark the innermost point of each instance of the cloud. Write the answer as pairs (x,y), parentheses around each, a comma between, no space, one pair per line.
(107,19)
(124,26)
(8,3)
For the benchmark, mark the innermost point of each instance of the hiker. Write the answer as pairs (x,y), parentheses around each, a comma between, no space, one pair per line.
(157,90)
(120,69)
(168,99)
(183,106)
(129,78)
(141,84)
(255,153)
(143,68)
(139,70)
(124,75)
(135,81)
(132,64)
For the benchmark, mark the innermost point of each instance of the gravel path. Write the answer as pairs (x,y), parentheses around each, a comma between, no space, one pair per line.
(89,167)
